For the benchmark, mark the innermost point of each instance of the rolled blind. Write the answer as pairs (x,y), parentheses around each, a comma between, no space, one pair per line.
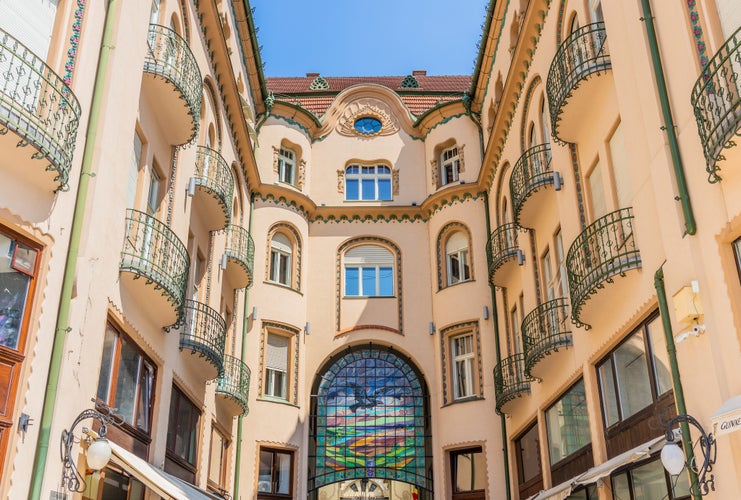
(276,355)
(281,242)
(457,241)
(369,254)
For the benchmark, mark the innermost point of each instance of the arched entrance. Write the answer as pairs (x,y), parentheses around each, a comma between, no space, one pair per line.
(370,419)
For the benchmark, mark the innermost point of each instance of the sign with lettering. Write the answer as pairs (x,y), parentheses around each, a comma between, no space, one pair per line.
(728,417)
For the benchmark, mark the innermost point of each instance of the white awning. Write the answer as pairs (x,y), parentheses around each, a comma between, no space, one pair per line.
(559,492)
(728,417)
(163,484)
(605,469)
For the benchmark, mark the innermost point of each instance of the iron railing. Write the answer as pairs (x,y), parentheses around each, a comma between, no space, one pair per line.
(235,381)
(169,56)
(544,330)
(153,251)
(204,333)
(213,174)
(240,248)
(716,99)
(38,106)
(532,172)
(510,380)
(606,248)
(502,246)
(583,53)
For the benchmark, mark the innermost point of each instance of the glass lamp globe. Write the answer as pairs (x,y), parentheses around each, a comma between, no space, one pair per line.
(672,457)
(98,454)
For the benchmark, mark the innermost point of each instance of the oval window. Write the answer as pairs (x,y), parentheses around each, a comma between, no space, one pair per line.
(368,125)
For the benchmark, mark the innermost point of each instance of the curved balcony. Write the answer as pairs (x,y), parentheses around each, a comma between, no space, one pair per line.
(531,173)
(605,249)
(172,84)
(510,381)
(204,334)
(544,331)
(233,386)
(716,99)
(503,248)
(39,116)
(214,188)
(152,251)
(582,54)
(240,256)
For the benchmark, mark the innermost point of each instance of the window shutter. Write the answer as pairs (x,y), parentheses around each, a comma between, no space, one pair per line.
(276,355)
(456,241)
(282,243)
(369,254)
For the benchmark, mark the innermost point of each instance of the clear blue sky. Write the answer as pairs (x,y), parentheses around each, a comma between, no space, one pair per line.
(369,37)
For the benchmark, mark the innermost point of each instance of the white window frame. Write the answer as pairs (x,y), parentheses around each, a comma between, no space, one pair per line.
(280,262)
(276,380)
(287,166)
(377,268)
(450,159)
(463,367)
(464,267)
(366,172)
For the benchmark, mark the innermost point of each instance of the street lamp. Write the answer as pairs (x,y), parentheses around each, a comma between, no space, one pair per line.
(674,461)
(98,449)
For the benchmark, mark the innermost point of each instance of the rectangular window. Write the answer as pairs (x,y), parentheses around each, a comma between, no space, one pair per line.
(458,268)
(527,450)
(462,354)
(468,472)
(567,422)
(550,290)
(620,168)
(649,480)
(275,475)
(18,263)
(217,458)
(560,278)
(153,195)
(280,267)
(368,183)
(597,192)
(276,366)
(286,166)
(449,165)
(126,380)
(136,160)
(369,281)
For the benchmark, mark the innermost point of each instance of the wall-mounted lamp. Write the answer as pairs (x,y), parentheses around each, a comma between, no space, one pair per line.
(674,460)
(557,181)
(486,312)
(254,313)
(222,265)
(432,328)
(307,328)
(98,451)
(520,257)
(191,190)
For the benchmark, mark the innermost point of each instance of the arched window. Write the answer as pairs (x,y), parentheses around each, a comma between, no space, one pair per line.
(368,182)
(281,253)
(287,165)
(369,272)
(457,259)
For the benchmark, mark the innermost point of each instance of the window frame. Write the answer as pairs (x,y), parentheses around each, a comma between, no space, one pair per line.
(287,158)
(224,457)
(170,452)
(291,380)
(378,268)
(472,494)
(453,161)
(670,484)
(269,372)
(525,484)
(574,453)
(359,176)
(736,248)
(463,256)
(281,262)
(469,366)
(275,451)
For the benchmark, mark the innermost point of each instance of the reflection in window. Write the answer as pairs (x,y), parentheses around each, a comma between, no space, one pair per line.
(456,251)
(369,272)
(468,471)
(649,480)
(368,182)
(275,473)
(527,450)
(568,424)
(17,266)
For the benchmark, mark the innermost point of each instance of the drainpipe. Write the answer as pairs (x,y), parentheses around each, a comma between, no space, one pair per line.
(671,350)
(62,325)
(245,324)
(690,226)
(495,320)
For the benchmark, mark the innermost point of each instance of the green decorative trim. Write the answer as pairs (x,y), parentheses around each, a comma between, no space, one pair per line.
(204,333)
(283,201)
(453,200)
(234,383)
(445,335)
(319,83)
(545,330)
(409,82)
(295,124)
(510,380)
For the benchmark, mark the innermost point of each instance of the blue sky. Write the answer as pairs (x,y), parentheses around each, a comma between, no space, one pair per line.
(368,37)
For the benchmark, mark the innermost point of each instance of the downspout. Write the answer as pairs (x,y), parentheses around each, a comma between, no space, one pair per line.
(62,325)
(495,320)
(671,350)
(245,324)
(690,226)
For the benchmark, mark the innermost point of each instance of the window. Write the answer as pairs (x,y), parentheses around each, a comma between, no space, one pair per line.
(287,166)
(276,366)
(116,485)
(217,459)
(468,472)
(368,182)
(567,422)
(135,162)
(635,374)
(598,204)
(275,476)
(182,437)
(153,194)
(126,380)
(449,165)
(369,272)
(516,325)
(527,452)
(456,251)
(555,273)
(737,255)
(649,480)
(281,251)
(461,349)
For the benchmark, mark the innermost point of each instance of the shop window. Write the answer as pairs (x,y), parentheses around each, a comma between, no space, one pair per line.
(276,474)
(567,422)
(182,437)
(468,474)
(527,454)
(649,480)
(116,485)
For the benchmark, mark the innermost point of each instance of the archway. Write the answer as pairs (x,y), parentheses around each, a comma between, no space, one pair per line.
(370,419)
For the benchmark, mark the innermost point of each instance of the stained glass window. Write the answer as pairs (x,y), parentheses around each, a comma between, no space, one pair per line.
(370,418)
(368,125)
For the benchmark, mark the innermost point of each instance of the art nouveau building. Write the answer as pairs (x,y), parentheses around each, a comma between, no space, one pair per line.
(493,286)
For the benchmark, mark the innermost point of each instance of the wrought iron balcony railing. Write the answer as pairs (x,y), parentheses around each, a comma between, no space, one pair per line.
(606,248)
(38,106)
(510,380)
(152,250)
(532,172)
(204,333)
(502,246)
(213,174)
(545,330)
(240,248)
(716,98)
(169,57)
(583,53)
(235,382)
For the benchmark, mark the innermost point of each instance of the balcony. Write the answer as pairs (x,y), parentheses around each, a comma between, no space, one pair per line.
(716,99)
(240,256)
(204,334)
(532,172)
(39,116)
(233,387)
(172,84)
(154,267)
(571,91)
(503,251)
(214,188)
(605,249)
(544,331)
(510,382)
